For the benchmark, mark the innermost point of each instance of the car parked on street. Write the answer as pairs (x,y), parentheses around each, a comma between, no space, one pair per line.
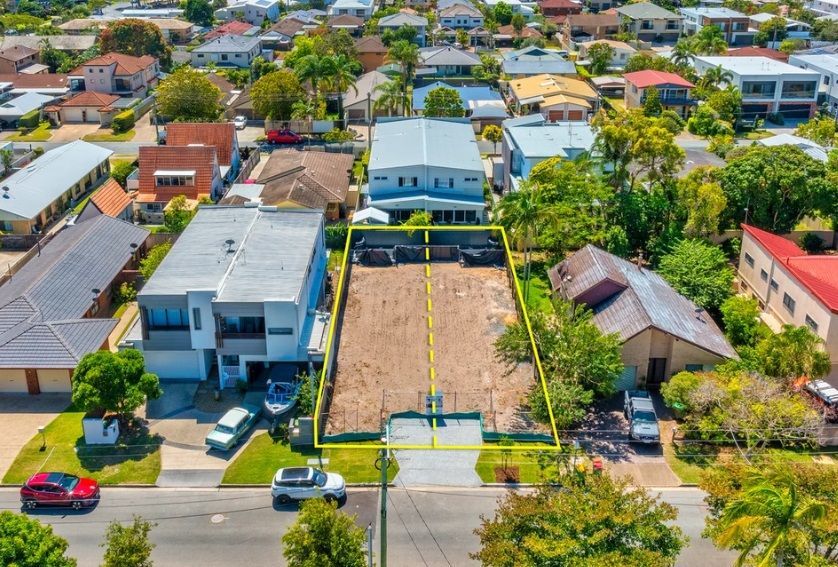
(232,427)
(643,421)
(300,483)
(283,137)
(59,489)
(240,122)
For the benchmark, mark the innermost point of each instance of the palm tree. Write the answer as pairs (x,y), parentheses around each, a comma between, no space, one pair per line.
(524,212)
(491,26)
(710,41)
(315,69)
(769,519)
(683,53)
(390,96)
(406,54)
(715,76)
(342,78)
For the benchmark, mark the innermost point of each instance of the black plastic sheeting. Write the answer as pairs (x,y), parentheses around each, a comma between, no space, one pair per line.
(403,253)
(491,257)
(372,257)
(406,254)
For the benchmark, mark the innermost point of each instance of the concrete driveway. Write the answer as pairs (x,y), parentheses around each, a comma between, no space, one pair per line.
(185,460)
(72,132)
(20,417)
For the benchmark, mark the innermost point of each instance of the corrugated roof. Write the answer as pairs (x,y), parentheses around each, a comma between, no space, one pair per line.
(228,44)
(401,19)
(534,60)
(370,44)
(220,135)
(311,179)
(366,85)
(435,142)
(42,305)
(467,94)
(550,85)
(111,199)
(443,56)
(627,299)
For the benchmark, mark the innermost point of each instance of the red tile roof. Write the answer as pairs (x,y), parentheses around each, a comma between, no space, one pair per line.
(557,4)
(819,274)
(39,81)
(90,98)
(526,32)
(125,64)
(219,135)
(370,44)
(111,199)
(230,28)
(200,159)
(647,78)
(758,52)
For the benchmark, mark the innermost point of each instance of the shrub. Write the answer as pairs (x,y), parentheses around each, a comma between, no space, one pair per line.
(678,390)
(39,151)
(305,396)
(123,121)
(30,120)
(776,118)
(670,120)
(721,145)
(126,293)
(336,236)
(812,242)
(153,259)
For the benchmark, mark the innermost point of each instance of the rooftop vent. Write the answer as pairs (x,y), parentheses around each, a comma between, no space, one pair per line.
(6,192)
(229,242)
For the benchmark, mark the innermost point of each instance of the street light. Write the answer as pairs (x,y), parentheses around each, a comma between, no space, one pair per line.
(42,430)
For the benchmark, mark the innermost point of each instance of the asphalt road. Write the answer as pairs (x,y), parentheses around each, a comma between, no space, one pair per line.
(223,527)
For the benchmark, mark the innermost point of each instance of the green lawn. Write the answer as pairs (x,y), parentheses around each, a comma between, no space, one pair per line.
(136,460)
(111,137)
(757,135)
(40,134)
(258,463)
(539,287)
(335,260)
(80,205)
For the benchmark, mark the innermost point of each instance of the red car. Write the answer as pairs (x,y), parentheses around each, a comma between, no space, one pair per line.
(284,137)
(59,489)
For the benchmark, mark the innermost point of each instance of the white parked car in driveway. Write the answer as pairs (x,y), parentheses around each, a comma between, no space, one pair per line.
(240,122)
(300,483)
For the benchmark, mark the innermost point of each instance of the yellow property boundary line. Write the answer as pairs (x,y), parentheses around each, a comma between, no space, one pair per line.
(333,325)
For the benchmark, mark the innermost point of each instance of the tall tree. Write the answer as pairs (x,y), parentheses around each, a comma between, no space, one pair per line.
(274,94)
(323,536)
(595,521)
(406,55)
(714,77)
(136,37)
(700,271)
(198,12)
(25,542)
(792,353)
(702,202)
(177,215)
(518,23)
(600,55)
(774,30)
(740,316)
(342,78)
(128,546)
(390,96)
(820,129)
(710,41)
(493,133)
(315,69)
(502,13)
(116,382)
(443,102)
(652,103)
(683,53)
(187,95)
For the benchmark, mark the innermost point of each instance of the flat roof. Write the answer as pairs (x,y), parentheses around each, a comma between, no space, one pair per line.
(755,66)
(242,253)
(547,139)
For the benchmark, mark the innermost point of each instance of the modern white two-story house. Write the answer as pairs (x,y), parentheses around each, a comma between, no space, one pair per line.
(427,164)
(239,290)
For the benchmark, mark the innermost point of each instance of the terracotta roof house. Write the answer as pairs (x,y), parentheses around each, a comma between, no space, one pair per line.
(55,308)
(310,180)
(675,91)
(219,135)
(119,74)
(791,286)
(233,28)
(507,34)
(662,331)
(758,52)
(21,59)
(559,7)
(109,199)
(169,171)
(372,53)
(79,26)
(87,107)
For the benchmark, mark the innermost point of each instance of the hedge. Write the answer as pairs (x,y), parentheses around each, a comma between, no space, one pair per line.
(30,120)
(123,121)
(336,236)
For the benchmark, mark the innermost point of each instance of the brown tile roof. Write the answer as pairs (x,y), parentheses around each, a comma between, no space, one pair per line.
(200,159)
(370,44)
(90,98)
(288,26)
(752,51)
(125,64)
(311,179)
(111,199)
(221,82)
(41,80)
(172,24)
(230,28)
(17,53)
(219,135)
(344,20)
(525,33)
(588,20)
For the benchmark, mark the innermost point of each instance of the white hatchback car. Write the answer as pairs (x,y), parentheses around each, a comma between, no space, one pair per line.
(300,483)
(240,122)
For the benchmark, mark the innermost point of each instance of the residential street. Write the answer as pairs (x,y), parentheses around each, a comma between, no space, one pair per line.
(221,527)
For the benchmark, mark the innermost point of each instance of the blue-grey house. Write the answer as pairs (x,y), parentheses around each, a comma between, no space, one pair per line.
(480,102)
(534,60)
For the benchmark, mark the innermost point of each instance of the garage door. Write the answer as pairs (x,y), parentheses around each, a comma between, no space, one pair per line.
(575,115)
(628,379)
(13,381)
(54,380)
(173,364)
(795,110)
(555,115)
(356,114)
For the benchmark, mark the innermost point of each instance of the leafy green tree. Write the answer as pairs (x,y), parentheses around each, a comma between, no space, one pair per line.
(727,103)
(778,185)
(177,215)
(137,37)
(790,45)
(340,43)
(643,61)
(740,316)
(390,96)
(652,104)
(406,55)
(25,542)
(683,53)
(120,172)
(710,41)
(404,33)
(306,394)
(713,78)
(518,22)
(792,353)
(678,390)
(188,95)
(494,134)
(114,381)
(488,71)
(502,13)
(443,102)
(315,69)
(462,37)
(820,129)
(338,136)
(700,271)
(418,218)
(52,57)
(274,94)
(323,536)
(153,259)
(128,546)
(595,521)
(199,12)
(702,202)
(772,30)
(260,67)
(600,54)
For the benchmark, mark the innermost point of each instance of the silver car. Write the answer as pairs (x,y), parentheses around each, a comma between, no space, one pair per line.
(300,483)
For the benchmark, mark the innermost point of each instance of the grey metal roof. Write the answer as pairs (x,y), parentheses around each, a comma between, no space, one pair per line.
(402,19)
(431,142)
(365,85)
(540,138)
(42,306)
(445,56)
(44,180)
(647,11)
(27,102)
(534,60)
(268,257)
(228,44)
(635,299)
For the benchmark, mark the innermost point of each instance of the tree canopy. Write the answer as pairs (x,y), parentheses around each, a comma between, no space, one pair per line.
(323,536)
(274,94)
(177,215)
(187,95)
(25,542)
(792,353)
(600,55)
(199,12)
(443,102)
(700,271)
(114,381)
(128,546)
(137,37)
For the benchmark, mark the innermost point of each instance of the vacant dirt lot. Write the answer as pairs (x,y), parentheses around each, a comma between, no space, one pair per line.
(383,346)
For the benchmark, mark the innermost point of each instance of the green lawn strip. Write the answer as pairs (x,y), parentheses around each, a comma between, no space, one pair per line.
(136,460)
(40,134)
(758,135)
(258,463)
(111,137)
(526,462)
(335,260)
(81,204)
(539,287)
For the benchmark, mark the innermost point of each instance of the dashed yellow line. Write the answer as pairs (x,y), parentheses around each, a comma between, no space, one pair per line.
(427,270)
(433,374)
(430,322)
(429,305)
(428,288)
(430,339)
(432,371)
(428,254)
(431,355)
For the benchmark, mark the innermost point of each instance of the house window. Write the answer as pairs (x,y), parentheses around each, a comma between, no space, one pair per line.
(693,367)
(175,180)
(408,181)
(243,325)
(167,319)
(758,89)
(647,25)
(380,178)
(196,318)
(200,56)
(763,275)
(774,285)
(470,179)
(444,183)
(280,331)
(101,70)
(811,323)
(672,24)
(749,259)
(800,89)
(238,55)
(471,216)
(788,302)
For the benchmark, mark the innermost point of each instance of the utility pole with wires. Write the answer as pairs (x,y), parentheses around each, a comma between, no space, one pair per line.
(382,463)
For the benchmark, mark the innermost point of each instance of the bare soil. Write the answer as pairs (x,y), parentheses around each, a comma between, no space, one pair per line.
(383,359)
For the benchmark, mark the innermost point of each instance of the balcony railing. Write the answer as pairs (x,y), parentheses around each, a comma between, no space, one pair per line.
(231,336)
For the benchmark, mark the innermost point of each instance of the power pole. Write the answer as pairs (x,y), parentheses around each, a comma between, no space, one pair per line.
(383,514)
